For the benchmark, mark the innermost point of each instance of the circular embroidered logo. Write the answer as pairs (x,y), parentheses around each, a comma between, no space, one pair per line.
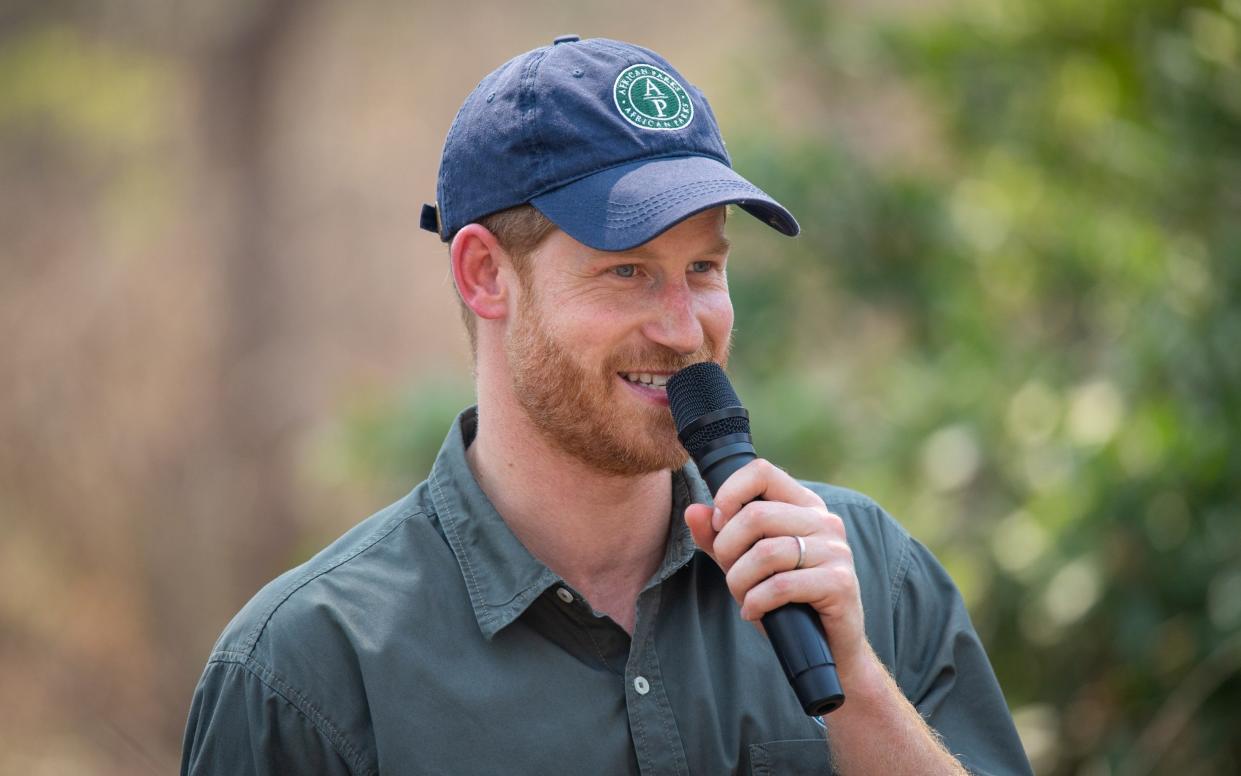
(651,99)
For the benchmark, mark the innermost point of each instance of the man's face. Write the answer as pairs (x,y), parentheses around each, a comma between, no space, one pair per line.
(597,333)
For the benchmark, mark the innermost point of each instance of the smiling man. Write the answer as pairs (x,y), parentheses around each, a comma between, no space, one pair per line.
(562,595)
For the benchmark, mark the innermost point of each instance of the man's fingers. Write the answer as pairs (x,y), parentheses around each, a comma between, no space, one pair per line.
(760,479)
(763,519)
(765,558)
(780,554)
(829,589)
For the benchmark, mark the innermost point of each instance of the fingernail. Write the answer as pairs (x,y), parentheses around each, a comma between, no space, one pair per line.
(717,519)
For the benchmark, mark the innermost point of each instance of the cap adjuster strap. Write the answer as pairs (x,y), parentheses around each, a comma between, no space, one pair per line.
(430,218)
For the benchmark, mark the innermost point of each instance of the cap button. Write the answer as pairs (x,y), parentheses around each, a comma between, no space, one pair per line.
(566,39)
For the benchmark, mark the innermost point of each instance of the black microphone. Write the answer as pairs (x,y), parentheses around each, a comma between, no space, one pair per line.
(715,429)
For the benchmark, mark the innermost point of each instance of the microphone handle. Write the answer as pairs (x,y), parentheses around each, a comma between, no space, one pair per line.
(795,631)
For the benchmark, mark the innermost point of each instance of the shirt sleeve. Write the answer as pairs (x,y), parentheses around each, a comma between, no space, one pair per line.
(945,673)
(243,722)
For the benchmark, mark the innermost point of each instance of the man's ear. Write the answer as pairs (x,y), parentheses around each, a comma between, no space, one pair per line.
(476,261)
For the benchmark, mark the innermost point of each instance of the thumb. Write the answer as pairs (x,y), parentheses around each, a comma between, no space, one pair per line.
(698,518)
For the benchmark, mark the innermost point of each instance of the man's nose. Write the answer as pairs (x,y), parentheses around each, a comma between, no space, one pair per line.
(674,321)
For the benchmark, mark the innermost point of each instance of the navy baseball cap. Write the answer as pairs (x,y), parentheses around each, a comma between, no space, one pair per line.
(604,138)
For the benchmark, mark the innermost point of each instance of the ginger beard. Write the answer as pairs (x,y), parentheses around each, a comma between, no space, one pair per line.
(577,408)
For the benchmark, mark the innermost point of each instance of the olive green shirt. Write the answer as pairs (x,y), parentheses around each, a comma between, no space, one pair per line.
(428,640)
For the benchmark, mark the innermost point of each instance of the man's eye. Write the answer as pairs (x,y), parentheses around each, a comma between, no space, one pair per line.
(702,266)
(625,270)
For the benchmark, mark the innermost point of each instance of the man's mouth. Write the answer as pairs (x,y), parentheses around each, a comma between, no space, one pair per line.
(646,378)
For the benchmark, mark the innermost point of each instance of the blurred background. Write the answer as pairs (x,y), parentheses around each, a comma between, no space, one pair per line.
(1012,318)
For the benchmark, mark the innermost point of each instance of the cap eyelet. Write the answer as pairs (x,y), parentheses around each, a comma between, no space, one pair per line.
(491,97)
(577,72)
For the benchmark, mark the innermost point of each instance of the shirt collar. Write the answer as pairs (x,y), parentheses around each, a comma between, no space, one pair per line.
(501,575)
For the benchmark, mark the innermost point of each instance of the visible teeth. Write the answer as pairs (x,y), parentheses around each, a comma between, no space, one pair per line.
(646,378)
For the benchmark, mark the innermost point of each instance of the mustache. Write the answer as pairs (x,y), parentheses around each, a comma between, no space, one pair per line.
(661,359)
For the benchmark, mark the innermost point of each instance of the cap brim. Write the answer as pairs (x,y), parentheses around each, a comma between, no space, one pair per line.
(622,207)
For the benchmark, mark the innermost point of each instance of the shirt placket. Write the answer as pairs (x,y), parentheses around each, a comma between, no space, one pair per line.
(657,740)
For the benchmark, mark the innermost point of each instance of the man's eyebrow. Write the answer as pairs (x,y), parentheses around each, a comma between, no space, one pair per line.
(720,248)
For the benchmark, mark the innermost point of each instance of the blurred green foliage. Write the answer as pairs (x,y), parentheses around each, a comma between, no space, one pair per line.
(387,443)
(1020,335)
(88,93)
(68,102)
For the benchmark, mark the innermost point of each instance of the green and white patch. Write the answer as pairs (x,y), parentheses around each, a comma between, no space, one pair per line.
(651,99)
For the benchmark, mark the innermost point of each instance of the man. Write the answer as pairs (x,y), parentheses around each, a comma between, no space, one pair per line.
(560,595)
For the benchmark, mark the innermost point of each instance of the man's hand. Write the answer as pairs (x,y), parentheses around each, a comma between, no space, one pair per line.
(877,730)
(754,542)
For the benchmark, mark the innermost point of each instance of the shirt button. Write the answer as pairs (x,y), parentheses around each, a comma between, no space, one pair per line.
(564,595)
(641,685)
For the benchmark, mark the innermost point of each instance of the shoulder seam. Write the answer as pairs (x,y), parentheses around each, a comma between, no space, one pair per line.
(856,501)
(249,643)
(843,497)
(274,682)
(902,569)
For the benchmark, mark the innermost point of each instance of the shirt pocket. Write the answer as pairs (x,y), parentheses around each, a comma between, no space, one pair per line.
(778,758)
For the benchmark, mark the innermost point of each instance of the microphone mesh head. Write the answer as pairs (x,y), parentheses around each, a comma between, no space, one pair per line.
(696,390)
